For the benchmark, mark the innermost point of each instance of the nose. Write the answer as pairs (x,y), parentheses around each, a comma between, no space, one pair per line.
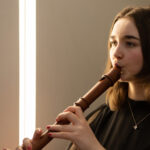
(118,52)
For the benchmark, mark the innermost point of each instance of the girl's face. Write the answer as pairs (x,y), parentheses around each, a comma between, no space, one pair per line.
(125,49)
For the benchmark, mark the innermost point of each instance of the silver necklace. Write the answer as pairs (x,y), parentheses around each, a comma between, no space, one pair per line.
(137,123)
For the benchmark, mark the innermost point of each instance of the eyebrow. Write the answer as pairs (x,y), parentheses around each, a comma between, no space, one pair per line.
(131,37)
(127,37)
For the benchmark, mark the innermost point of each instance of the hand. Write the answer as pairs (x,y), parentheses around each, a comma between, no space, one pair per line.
(78,131)
(27,143)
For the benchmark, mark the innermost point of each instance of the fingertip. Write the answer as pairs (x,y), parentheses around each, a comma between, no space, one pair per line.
(57,119)
(18,148)
(50,134)
(26,144)
(48,127)
(38,131)
(5,148)
(37,134)
(68,108)
(29,147)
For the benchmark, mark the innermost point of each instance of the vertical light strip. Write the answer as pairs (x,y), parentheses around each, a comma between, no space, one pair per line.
(27,68)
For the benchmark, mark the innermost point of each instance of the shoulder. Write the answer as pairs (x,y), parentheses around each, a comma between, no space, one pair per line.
(104,108)
(99,113)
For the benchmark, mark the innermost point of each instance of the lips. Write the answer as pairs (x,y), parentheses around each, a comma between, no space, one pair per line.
(117,64)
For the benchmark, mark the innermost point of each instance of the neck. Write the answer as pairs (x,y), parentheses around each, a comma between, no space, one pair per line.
(136,91)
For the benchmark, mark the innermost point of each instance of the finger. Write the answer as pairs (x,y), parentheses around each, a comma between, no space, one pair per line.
(37,134)
(71,117)
(61,128)
(61,135)
(19,148)
(67,109)
(6,149)
(27,145)
(77,110)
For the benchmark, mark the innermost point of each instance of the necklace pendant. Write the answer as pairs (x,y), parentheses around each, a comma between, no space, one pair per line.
(135,127)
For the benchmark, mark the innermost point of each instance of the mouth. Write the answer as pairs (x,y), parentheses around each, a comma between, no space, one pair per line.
(120,66)
(117,64)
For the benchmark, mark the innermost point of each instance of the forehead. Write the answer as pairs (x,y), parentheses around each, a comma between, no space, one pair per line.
(123,27)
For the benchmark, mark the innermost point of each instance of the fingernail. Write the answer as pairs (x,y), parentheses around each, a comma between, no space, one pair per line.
(57,120)
(48,127)
(19,148)
(29,148)
(50,134)
(39,130)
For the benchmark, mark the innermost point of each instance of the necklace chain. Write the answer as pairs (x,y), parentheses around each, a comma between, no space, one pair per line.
(137,123)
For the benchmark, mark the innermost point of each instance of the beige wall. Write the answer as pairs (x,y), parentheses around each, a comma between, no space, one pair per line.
(71,52)
(9,77)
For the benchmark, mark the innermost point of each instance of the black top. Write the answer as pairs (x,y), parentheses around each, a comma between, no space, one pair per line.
(114,129)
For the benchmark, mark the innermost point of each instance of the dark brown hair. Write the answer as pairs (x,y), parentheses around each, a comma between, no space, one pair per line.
(117,94)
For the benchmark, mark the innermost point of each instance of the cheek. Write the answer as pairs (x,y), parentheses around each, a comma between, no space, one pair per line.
(137,60)
(111,56)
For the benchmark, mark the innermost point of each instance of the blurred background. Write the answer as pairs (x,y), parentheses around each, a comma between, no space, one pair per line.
(71,54)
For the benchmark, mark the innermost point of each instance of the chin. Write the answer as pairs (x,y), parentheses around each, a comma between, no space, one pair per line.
(120,80)
(124,79)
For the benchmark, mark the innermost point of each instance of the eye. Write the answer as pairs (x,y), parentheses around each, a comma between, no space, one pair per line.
(130,44)
(113,43)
